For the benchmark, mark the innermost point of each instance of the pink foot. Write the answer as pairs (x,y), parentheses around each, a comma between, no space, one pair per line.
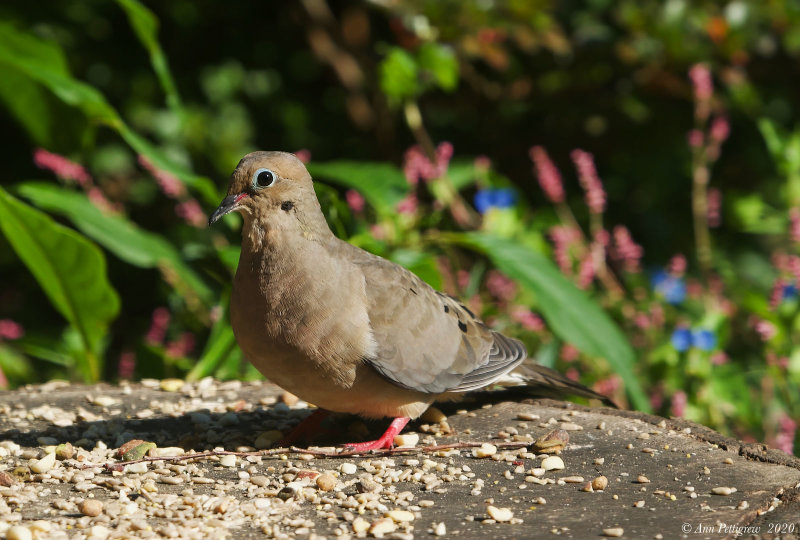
(305,429)
(386,440)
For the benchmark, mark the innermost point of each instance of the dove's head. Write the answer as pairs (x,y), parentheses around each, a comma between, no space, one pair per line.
(272,189)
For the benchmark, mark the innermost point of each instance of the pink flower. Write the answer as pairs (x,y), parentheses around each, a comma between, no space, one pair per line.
(679,400)
(794,224)
(720,129)
(408,205)
(626,250)
(500,286)
(462,279)
(784,440)
(126,365)
(701,80)
(609,385)
(527,319)
(569,353)
(677,265)
(158,326)
(657,398)
(586,272)
(354,200)
(62,167)
(776,295)
(191,213)
(482,163)
(590,181)
(98,198)
(714,207)
(303,155)
(169,183)
(719,358)
(563,238)
(548,175)
(417,166)
(765,329)
(10,329)
(181,346)
(378,232)
(572,374)
(695,138)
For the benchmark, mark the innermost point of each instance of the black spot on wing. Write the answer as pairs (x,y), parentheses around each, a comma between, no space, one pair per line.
(462,326)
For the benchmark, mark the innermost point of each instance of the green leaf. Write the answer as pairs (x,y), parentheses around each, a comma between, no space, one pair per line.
(382,184)
(398,76)
(26,101)
(441,63)
(32,57)
(145,24)
(69,268)
(116,233)
(220,345)
(568,311)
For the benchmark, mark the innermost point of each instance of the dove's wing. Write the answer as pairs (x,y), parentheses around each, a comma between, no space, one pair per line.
(428,341)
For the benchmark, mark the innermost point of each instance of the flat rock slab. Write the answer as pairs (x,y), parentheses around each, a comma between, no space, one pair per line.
(666,478)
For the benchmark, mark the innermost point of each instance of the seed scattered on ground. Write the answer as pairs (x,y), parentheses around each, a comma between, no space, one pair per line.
(440,529)
(528,417)
(499,514)
(326,482)
(613,532)
(406,440)
(723,490)
(599,461)
(289,399)
(573,479)
(642,479)
(552,463)
(400,516)
(91,507)
(638,504)
(382,526)
(728,461)
(600,483)
(45,464)
(484,450)
(348,468)
(228,460)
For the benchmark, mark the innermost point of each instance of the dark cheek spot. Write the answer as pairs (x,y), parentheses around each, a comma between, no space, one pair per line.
(287,205)
(462,327)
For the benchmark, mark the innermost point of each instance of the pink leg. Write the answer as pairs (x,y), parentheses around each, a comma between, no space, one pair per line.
(305,429)
(386,440)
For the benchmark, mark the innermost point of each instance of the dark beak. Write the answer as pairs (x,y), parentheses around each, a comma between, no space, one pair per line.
(227,205)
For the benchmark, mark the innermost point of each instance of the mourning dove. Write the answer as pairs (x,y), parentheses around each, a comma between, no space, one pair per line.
(345,329)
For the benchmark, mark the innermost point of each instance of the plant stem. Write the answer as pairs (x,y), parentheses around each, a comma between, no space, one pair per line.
(700,177)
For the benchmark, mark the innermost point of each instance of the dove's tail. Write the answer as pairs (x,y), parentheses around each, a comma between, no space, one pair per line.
(543,381)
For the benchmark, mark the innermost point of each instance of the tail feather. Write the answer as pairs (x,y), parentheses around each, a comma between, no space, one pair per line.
(548,382)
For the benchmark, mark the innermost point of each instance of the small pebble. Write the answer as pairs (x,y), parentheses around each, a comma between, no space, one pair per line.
(91,507)
(551,463)
(171,385)
(499,514)
(326,482)
(614,532)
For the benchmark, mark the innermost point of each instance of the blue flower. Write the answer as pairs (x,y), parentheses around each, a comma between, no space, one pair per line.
(672,288)
(789,292)
(703,339)
(681,339)
(494,198)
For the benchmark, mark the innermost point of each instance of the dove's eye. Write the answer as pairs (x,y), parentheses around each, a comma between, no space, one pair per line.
(263,178)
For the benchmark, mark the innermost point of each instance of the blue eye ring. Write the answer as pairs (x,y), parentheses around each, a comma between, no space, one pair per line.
(263,178)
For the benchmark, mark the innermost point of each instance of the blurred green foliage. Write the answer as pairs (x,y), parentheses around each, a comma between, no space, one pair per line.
(154,103)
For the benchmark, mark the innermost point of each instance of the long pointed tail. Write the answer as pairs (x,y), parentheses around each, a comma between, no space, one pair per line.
(547,382)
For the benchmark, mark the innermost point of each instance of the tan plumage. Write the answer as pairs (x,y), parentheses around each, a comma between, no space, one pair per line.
(342,328)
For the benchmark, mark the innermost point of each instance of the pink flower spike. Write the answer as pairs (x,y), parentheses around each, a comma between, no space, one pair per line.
(354,200)
(408,205)
(701,80)
(714,207)
(444,153)
(527,319)
(548,174)
(10,329)
(794,224)
(62,167)
(695,138)
(720,129)
(677,265)
(303,155)
(500,286)
(569,353)
(719,358)
(586,272)
(679,400)
(784,440)
(170,185)
(126,366)
(191,213)
(181,346)
(626,250)
(590,181)
(158,326)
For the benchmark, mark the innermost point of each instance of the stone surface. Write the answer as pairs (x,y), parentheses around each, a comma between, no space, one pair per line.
(449,491)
